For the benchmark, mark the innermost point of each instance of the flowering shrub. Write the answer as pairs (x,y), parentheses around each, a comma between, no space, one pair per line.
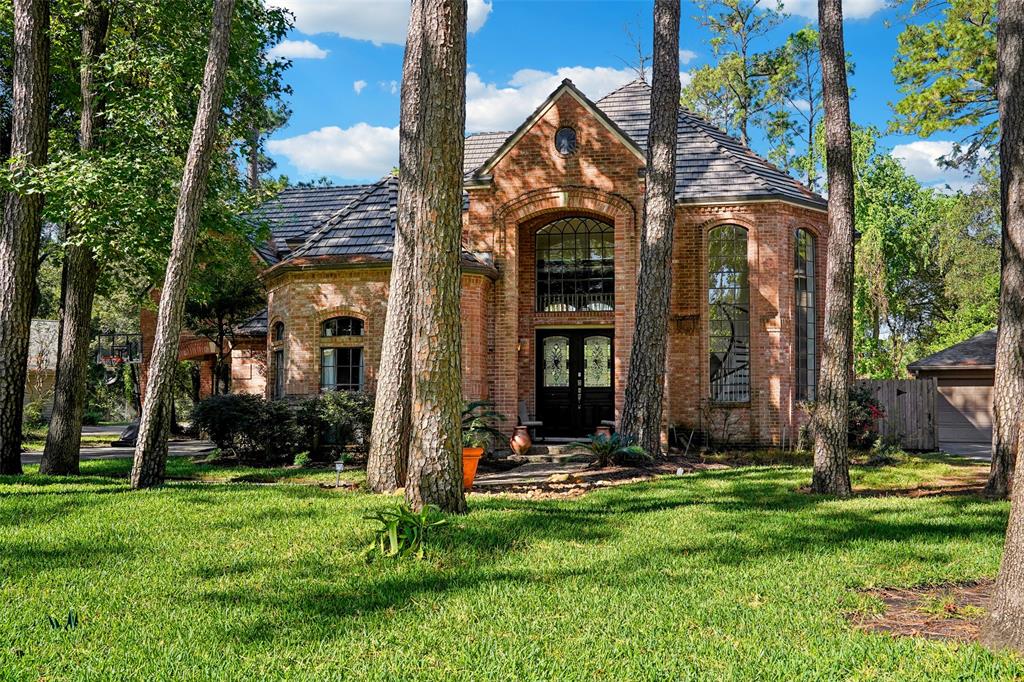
(865,411)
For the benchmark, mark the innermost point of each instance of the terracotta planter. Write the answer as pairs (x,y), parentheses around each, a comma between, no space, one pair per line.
(520,441)
(603,430)
(470,458)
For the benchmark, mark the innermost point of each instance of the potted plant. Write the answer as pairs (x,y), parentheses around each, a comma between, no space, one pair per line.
(479,429)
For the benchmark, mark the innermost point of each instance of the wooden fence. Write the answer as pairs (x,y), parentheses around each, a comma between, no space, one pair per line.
(910,411)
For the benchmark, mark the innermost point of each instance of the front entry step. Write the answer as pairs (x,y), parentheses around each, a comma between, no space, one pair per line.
(559,453)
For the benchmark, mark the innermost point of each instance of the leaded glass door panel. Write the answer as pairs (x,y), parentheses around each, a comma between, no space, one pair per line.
(575,380)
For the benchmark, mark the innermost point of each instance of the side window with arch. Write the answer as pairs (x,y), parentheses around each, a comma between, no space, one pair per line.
(341,326)
(804,277)
(729,314)
(277,333)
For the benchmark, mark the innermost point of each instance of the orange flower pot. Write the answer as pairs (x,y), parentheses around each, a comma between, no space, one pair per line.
(470,459)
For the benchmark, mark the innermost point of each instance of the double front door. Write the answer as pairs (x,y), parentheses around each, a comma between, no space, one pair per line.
(575,380)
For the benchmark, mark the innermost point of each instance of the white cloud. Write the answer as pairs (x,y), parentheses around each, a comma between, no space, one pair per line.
(684,78)
(378,21)
(686,56)
(493,107)
(358,86)
(852,9)
(362,151)
(921,159)
(297,49)
(389,86)
(802,105)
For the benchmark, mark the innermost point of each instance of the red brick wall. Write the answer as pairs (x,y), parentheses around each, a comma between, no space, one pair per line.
(304,299)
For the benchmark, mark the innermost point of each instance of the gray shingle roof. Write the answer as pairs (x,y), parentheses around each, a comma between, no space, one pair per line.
(976,352)
(254,326)
(357,221)
(363,228)
(296,211)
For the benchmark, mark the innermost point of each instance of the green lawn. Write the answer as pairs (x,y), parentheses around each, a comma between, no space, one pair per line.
(35,441)
(724,574)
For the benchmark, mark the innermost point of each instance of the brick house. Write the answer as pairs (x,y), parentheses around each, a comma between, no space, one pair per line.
(551,228)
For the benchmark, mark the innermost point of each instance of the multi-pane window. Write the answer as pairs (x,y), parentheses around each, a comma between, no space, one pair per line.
(806,320)
(729,314)
(278,374)
(576,266)
(342,326)
(341,369)
(278,331)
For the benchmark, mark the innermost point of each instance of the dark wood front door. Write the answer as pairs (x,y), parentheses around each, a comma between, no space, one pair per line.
(575,380)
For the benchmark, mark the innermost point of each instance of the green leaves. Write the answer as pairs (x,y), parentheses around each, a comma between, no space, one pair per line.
(402,532)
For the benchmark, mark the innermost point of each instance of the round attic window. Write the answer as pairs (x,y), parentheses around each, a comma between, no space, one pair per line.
(565,141)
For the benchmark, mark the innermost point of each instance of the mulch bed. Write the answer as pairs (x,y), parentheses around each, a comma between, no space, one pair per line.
(951,612)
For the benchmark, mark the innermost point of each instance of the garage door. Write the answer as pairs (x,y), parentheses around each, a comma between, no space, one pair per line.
(964,416)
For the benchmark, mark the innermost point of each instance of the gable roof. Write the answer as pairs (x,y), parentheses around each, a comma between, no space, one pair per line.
(566,88)
(711,166)
(977,352)
(363,228)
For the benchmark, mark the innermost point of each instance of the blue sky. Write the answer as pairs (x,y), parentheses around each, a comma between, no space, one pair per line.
(347,62)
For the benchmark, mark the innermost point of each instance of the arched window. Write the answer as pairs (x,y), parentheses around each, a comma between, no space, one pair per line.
(576,266)
(806,320)
(342,326)
(729,314)
(278,331)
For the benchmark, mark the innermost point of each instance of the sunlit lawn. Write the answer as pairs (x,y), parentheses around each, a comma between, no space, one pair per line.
(718,575)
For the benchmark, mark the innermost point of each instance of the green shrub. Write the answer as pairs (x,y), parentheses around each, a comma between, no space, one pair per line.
(32,415)
(480,424)
(615,449)
(335,421)
(248,426)
(302,459)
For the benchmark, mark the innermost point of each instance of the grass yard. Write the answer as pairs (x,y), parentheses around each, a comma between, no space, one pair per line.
(726,574)
(35,441)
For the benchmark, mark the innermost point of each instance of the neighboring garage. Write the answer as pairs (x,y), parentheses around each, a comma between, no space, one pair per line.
(965,374)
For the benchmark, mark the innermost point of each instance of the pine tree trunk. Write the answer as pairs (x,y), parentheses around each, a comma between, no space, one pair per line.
(389,438)
(1008,393)
(435,449)
(641,414)
(19,233)
(1004,626)
(151,447)
(78,281)
(831,415)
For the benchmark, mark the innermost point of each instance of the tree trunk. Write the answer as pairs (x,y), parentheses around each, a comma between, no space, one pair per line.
(389,437)
(435,449)
(154,427)
(831,453)
(79,278)
(19,233)
(1004,626)
(1008,393)
(641,415)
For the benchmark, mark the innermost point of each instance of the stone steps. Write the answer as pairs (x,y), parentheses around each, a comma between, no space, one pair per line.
(558,453)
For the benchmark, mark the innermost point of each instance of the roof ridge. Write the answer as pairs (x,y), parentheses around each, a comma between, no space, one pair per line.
(623,87)
(328,223)
(698,124)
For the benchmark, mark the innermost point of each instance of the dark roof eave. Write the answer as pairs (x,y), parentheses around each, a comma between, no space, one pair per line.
(755,198)
(915,367)
(360,262)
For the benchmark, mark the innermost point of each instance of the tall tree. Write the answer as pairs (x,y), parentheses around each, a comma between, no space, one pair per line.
(737,92)
(151,448)
(946,70)
(1004,626)
(797,81)
(19,233)
(435,448)
(1008,393)
(79,277)
(389,437)
(831,453)
(645,386)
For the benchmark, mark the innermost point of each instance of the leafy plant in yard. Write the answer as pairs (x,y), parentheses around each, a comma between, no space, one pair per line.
(865,411)
(402,532)
(479,424)
(302,459)
(69,623)
(615,449)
